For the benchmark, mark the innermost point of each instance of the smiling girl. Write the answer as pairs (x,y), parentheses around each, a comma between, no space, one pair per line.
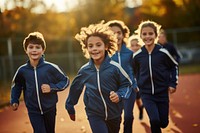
(157,75)
(105,81)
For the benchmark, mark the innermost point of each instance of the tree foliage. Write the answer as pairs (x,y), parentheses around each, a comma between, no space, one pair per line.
(59,29)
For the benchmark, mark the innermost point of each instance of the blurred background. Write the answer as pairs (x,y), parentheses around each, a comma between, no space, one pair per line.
(60,20)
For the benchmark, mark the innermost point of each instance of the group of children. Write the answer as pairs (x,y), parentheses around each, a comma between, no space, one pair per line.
(114,78)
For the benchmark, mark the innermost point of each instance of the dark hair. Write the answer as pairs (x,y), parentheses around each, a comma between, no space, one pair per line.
(125,30)
(100,30)
(34,38)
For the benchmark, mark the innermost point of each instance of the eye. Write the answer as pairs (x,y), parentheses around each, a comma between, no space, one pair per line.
(151,33)
(90,45)
(144,34)
(30,46)
(38,47)
(99,44)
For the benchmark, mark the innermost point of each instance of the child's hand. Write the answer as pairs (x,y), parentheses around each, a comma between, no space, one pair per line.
(72,117)
(136,89)
(14,106)
(45,88)
(114,97)
(171,90)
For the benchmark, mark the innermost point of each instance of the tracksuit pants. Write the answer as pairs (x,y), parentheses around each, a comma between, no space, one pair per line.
(43,123)
(100,125)
(157,108)
(128,112)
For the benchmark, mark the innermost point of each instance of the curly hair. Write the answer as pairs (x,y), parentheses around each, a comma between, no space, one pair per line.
(34,38)
(100,30)
(156,27)
(125,30)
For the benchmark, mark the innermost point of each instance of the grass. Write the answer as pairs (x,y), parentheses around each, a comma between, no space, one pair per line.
(5,87)
(189,69)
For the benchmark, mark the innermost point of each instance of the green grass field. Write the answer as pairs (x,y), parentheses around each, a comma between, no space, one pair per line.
(5,87)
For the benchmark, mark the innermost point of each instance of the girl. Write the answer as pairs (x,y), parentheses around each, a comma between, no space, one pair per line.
(124,57)
(134,45)
(157,73)
(106,83)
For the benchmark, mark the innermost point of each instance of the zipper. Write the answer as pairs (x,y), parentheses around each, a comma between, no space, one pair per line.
(151,75)
(99,88)
(37,90)
(119,59)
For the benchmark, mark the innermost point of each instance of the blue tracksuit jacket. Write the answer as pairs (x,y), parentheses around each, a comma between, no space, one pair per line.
(30,79)
(155,72)
(98,85)
(124,58)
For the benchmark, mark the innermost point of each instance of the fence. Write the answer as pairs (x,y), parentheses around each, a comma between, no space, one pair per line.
(70,63)
(187,40)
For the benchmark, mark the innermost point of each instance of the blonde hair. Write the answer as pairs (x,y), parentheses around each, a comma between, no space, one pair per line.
(136,38)
(156,27)
(34,38)
(125,30)
(101,30)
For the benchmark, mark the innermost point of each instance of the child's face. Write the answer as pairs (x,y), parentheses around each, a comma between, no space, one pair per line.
(162,39)
(119,34)
(96,48)
(34,51)
(135,46)
(148,36)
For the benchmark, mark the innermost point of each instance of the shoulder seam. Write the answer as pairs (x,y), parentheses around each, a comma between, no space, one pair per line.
(168,54)
(136,53)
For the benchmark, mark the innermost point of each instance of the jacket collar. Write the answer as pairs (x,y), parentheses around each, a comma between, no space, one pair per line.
(41,61)
(156,48)
(106,60)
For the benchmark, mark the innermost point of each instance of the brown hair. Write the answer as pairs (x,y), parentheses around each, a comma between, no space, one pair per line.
(34,38)
(101,30)
(125,30)
(156,27)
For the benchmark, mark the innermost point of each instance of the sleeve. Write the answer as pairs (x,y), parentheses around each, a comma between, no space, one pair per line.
(18,83)
(135,66)
(61,80)
(134,83)
(174,71)
(125,84)
(75,91)
(175,53)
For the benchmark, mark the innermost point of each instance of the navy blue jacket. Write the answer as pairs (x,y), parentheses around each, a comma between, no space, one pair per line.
(30,80)
(155,72)
(172,50)
(124,58)
(98,85)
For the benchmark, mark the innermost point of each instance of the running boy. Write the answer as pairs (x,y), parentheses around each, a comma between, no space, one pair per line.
(157,74)
(40,81)
(124,57)
(105,81)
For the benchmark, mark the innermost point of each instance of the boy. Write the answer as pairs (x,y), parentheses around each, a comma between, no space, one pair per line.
(40,81)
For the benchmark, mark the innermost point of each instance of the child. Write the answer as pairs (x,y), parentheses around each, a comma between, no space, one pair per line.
(134,45)
(156,73)
(105,81)
(162,39)
(39,80)
(124,57)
